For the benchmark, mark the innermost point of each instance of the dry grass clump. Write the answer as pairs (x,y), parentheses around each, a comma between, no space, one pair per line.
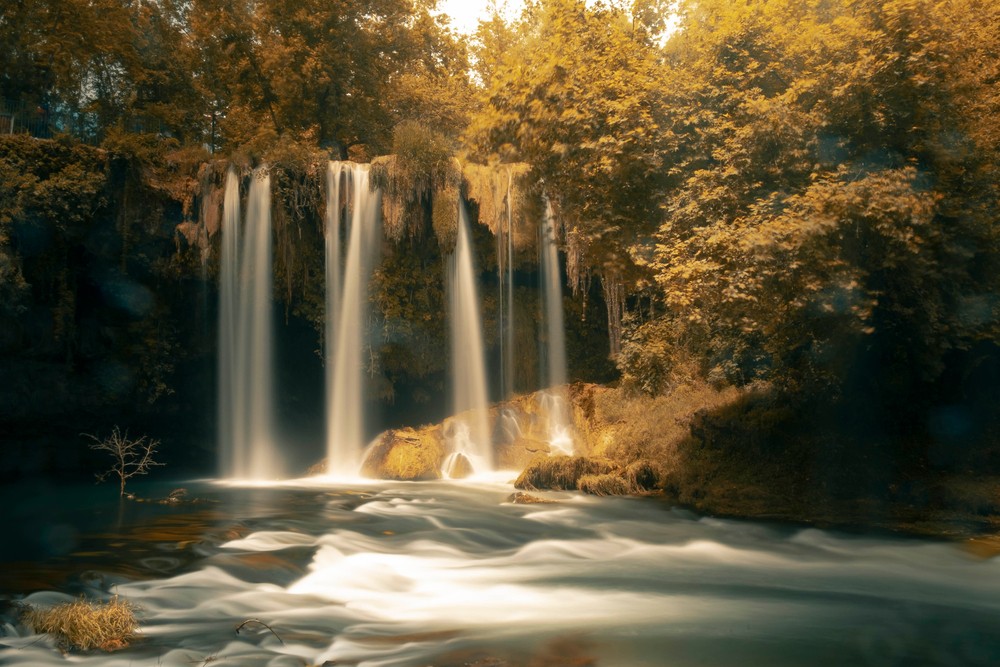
(561,473)
(652,427)
(642,475)
(604,485)
(84,625)
(636,478)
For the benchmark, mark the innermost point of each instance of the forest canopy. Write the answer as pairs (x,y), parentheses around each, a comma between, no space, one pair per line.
(234,75)
(800,192)
(797,192)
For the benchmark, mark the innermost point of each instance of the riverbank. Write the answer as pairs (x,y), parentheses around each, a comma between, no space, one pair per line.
(758,453)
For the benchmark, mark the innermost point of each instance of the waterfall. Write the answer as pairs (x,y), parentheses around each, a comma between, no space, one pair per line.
(505,270)
(469,434)
(229,272)
(246,374)
(334,261)
(347,313)
(552,295)
(555,380)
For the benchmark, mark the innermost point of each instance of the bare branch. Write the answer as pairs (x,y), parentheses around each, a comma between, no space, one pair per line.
(254,620)
(132,457)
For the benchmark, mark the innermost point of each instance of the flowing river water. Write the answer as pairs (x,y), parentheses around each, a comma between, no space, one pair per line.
(451,574)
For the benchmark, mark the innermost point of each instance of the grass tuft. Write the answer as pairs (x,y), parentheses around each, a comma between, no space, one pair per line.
(84,625)
(560,473)
(604,485)
(642,475)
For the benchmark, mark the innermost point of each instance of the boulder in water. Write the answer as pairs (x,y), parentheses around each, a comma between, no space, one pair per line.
(458,466)
(522,498)
(406,454)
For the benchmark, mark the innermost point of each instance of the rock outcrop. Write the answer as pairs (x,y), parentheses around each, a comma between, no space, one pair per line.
(554,439)
(524,428)
(406,454)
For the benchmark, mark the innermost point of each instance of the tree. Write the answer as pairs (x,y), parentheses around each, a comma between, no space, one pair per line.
(335,75)
(131,457)
(834,217)
(581,99)
(70,57)
(165,96)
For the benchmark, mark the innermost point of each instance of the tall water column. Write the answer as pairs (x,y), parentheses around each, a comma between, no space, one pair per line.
(505,295)
(247,447)
(552,294)
(347,311)
(557,407)
(470,432)
(229,280)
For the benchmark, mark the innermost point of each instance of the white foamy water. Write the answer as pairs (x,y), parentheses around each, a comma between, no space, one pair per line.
(471,431)
(347,312)
(448,574)
(246,404)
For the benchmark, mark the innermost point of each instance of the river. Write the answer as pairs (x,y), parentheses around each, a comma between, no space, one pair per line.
(451,574)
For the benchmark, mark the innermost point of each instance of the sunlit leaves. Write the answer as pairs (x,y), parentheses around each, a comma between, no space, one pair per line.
(835,190)
(581,98)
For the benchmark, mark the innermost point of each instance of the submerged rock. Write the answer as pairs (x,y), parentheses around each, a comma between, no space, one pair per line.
(522,498)
(458,466)
(406,454)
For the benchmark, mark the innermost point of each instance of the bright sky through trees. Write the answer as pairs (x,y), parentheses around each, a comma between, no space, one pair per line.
(465,14)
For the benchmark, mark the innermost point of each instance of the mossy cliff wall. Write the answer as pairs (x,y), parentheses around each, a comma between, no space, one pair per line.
(108,288)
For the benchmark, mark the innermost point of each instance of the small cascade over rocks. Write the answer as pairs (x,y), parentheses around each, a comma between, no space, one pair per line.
(521,430)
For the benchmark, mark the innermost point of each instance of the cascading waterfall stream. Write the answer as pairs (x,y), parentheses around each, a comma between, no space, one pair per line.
(469,433)
(353,235)
(558,408)
(347,296)
(246,404)
(334,261)
(229,275)
(505,270)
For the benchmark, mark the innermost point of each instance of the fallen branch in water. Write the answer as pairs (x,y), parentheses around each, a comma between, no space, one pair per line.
(254,620)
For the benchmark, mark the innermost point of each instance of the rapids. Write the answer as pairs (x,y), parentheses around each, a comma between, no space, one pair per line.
(381,574)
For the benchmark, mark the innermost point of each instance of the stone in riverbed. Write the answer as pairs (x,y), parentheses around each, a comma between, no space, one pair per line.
(522,498)
(458,466)
(406,454)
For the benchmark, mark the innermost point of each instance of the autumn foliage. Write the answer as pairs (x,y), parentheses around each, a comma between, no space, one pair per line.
(796,192)
(801,193)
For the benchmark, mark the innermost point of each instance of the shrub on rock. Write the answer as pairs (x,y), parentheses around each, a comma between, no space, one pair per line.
(561,473)
(604,485)
(642,475)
